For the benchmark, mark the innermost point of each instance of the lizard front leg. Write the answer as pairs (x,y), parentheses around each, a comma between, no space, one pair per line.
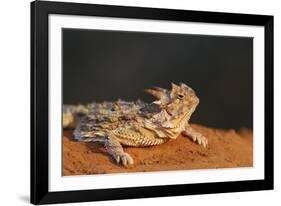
(115,149)
(195,136)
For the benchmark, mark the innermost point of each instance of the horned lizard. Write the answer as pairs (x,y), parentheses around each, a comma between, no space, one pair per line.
(137,123)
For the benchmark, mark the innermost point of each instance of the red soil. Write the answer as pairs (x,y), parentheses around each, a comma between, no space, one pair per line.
(226,149)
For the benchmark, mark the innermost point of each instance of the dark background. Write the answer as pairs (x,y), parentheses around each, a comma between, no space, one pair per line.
(107,65)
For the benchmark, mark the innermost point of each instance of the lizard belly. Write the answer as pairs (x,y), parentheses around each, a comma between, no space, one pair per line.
(137,137)
(141,142)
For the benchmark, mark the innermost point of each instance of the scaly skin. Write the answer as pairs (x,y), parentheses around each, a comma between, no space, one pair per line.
(135,124)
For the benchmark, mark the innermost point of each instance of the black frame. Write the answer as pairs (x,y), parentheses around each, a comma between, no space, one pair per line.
(39,102)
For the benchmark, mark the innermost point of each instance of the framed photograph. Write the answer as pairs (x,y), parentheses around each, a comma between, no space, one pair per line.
(131,102)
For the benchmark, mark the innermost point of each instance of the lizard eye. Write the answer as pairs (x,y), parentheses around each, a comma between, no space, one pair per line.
(180,96)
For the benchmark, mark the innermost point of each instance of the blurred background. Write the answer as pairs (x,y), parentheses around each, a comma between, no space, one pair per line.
(107,65)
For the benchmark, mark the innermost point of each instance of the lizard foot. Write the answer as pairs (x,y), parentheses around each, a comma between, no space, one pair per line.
(123,158)
(200,139)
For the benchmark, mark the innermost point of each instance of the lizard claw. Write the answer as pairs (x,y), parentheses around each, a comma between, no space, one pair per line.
(201,140)
(124,159)
(195,136)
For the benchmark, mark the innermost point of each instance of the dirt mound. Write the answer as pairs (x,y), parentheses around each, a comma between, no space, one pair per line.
(226,149)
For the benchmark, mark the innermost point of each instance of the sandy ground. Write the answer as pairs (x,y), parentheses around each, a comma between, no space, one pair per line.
(226,149)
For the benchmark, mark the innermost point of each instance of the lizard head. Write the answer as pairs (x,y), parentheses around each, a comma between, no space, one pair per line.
(179,101)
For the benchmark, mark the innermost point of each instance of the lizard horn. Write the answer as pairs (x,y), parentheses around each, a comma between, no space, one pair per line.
(157,92)
(174,86)
(184,85)
(159,89)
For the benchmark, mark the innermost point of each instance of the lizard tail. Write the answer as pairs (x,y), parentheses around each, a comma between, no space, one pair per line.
(71,115)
